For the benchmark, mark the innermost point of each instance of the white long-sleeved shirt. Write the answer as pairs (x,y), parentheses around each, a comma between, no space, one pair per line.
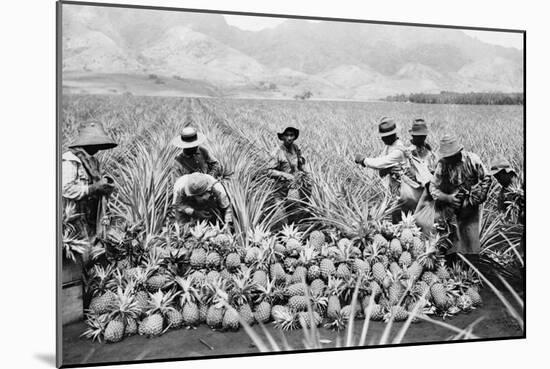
(75,181)
(391,156)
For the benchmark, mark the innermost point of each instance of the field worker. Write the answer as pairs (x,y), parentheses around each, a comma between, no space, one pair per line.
(287,169)
(83,185)
(511,191)
(460,185)
(424,161)
(420,148)
(199,196)
(193,157)
(394,165)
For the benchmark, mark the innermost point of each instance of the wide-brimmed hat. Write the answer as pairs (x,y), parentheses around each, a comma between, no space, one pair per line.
(419,128)
(500,163)
(449,146)
(93,134)
(294,131)
(386,127)
(197,184)
(189,137)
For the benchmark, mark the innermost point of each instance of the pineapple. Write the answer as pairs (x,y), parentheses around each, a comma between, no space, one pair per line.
(97,324)
(293,246)
(442,271)
(313,272)
(212,276)
(343,272)
(308,320)
(232,261)
(157,282)
(260,278)
(317,287)
(380,241)
(395,292)
(296,289)
(100,284)
(131,327)
(317,240)
(159,305)
(203,309)
(198,258)
(299,275)
(214,316)
(277,272)
(397,314)
(474,296)
(408,230)
(230,319)
(188,301)
(395,268)
(290,263)
(114,332)
(334,290)
(395,248)
(252,255)
(439,295)
(222,241)
(376,312)
(360,267)
(213,260)
(374,288)
(262,312)
(379,272)
(284,318)
(405,259)
(418,247)
(414,271)
(430,278)
(245,311)
(327,268)
(174,318)
(298,303)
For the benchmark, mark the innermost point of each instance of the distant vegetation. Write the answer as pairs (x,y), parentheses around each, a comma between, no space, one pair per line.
(472,98)
(306,95)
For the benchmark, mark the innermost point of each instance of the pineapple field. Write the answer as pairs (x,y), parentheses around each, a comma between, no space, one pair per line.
(340,275)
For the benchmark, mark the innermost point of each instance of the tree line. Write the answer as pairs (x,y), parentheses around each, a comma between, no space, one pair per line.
(472,98)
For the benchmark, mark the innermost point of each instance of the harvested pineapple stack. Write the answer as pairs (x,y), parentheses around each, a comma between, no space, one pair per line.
(291,278)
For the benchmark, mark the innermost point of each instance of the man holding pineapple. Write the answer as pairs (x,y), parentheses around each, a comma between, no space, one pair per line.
(83,185)
(199,196)
(460,185)
(394,165)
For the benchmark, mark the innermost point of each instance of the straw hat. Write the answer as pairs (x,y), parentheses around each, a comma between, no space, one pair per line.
(93,134)
(188,138)
(386,127)
(197,184)
(500,163)
(294,131)
(419,128)
(449,146)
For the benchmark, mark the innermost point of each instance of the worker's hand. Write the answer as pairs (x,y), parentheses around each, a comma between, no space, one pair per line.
(203,214)
(289,177)
(360,159)
(454,201)
(101,188)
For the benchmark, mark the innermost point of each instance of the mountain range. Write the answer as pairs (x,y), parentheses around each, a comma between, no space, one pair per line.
(153,52)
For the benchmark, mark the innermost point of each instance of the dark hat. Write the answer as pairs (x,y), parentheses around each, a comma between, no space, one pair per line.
(419,128)
(449,146)
(386,127)
(294,131)
(500,163)
(188,138)
(93,134)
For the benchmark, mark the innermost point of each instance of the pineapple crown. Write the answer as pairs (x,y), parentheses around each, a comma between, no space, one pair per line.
(160,302)
(258,235)
(188,293)
(125,304)
(290,231)
(96,326)
(335,286)
(199,230)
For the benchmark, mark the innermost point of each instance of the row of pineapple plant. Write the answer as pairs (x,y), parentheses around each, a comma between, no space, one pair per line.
(289,278)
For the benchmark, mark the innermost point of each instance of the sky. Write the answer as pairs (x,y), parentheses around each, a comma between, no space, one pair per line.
(249,23)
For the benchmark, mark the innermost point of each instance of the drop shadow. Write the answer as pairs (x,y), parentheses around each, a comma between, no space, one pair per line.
(46,358)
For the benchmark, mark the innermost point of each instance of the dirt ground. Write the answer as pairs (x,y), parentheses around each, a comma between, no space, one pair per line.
(186,343)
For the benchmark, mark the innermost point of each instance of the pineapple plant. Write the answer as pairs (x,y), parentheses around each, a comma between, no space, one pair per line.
(213,259)
(198,257)
(474,296)
(408,230)
(405,259)
(396,313)
(103,298)
(222,241)
(284,318)
(298,303)
(379,272)
(360,266)
(439,295)
(377,312)
(334,289)
(291,237)
(418,247)
(343,272)
(317,287)
(233,261)
(230,319)
(96,323)
(313,272)
(188,301)
(159,305)
(125,310)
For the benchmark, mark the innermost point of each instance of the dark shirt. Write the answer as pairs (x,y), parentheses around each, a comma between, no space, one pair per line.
(201,161)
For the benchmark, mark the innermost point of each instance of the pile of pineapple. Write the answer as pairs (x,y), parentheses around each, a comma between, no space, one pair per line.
(293,279)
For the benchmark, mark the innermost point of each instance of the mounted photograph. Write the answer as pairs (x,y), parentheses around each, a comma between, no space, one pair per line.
(235,184)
